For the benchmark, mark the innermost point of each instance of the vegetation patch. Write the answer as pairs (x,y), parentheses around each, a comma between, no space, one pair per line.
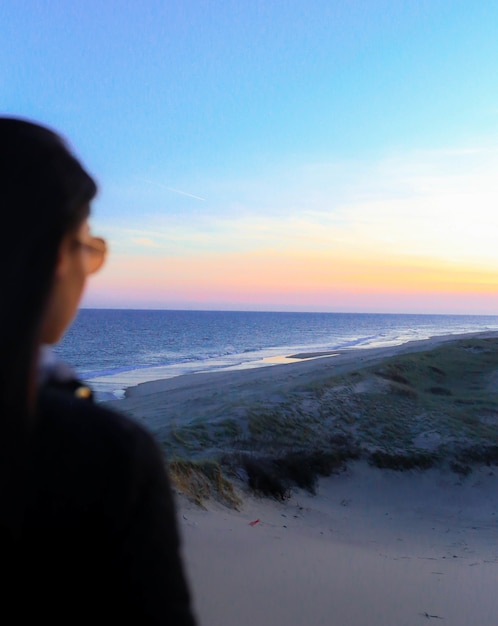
(401,462)
(403,390)
(315,426)
(436,370)
(440,391)
(392,375)
(276,476)
(483,455)
(200,480)
(263,478)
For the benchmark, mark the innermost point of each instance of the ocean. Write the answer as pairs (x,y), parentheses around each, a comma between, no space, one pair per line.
(116,349)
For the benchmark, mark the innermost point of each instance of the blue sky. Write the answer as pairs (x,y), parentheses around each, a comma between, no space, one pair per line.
(296,125)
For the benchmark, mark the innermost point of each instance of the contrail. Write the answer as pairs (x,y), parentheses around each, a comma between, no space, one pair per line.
(183,193)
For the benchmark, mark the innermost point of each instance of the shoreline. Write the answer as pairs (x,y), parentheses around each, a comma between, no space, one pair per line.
(347,357)
(155,402)
(119,384)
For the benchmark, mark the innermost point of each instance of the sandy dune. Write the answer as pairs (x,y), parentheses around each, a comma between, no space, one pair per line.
(373,547)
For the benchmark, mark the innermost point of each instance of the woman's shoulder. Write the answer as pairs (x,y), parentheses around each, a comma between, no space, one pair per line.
(67,405)
(99,501)
(92,441)
(70,410)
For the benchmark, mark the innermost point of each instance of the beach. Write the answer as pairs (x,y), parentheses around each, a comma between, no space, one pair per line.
(397,526)
(372,547)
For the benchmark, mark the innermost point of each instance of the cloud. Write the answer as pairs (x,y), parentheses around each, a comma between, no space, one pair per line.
(182,193)
(435,210)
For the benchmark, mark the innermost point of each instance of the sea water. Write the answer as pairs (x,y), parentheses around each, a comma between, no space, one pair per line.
(117,349)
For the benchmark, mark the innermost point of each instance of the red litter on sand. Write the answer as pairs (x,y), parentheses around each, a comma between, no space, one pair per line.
(254,522)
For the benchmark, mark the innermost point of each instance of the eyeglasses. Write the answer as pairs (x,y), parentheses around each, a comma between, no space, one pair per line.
(96,252)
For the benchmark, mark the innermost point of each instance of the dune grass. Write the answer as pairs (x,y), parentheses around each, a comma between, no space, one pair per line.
(202,480)
(411,411)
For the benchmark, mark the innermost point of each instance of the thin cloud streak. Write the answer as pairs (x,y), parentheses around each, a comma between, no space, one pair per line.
(182,193)
(438,205)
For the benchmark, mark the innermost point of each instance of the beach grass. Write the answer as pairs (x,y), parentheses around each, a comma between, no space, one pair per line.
(417,410)
(202,480)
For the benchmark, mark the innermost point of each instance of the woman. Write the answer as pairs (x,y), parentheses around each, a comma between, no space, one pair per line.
(86,513)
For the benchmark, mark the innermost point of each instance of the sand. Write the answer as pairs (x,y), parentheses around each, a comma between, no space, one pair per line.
(373,546)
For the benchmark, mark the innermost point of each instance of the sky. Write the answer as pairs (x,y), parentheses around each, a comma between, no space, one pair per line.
(286,155)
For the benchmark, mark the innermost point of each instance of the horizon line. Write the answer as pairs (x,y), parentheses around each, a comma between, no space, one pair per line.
(218,310)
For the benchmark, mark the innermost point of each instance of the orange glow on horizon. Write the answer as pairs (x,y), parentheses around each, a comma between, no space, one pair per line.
(278,276)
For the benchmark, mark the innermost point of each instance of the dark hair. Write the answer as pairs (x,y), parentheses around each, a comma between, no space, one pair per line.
(45,193)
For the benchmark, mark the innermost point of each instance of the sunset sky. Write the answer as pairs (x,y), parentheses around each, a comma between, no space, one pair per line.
(307,155)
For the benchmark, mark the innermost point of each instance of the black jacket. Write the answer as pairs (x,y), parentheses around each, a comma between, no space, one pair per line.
(99,541)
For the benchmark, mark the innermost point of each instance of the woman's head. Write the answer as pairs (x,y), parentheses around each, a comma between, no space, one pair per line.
(45,192)
(46,196)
